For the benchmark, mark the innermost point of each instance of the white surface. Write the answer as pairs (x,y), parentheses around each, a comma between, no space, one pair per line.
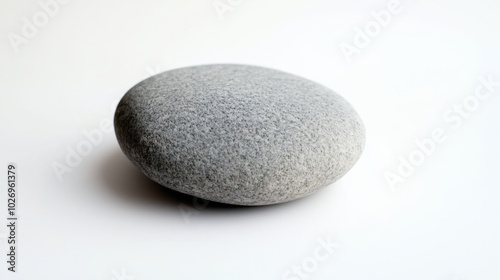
(105,218)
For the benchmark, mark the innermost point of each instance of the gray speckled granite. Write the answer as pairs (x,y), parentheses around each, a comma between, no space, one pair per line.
(238,134)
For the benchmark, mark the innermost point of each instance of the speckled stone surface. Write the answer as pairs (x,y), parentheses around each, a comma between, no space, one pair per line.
(238,134)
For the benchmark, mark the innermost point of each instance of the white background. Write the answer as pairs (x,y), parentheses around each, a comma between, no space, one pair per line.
(105,220)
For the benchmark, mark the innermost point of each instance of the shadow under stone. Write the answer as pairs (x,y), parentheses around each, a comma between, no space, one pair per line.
(122,178)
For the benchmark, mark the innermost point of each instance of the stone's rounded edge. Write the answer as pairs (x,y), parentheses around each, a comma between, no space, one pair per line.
(123,136)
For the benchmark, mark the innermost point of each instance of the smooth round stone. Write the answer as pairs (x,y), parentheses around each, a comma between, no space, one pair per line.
(238,134)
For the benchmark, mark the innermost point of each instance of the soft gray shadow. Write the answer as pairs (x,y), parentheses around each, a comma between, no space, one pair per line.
(123,179)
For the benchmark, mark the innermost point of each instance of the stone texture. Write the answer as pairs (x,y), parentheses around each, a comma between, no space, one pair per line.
(238,134)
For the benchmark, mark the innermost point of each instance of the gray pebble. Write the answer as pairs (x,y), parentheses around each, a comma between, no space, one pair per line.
(238,134)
